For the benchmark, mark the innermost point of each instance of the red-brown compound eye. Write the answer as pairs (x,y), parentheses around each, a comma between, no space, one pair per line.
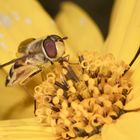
(49,48)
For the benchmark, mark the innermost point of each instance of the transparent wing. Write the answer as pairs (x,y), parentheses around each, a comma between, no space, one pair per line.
(20,73)
(30,46)
(23,46)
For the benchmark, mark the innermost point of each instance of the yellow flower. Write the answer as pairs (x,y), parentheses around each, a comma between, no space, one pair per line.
(17,23)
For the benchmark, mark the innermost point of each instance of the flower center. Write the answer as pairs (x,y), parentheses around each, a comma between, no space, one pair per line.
(79,98)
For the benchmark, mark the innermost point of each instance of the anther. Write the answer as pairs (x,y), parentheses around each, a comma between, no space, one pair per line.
(71,74)
(61,85)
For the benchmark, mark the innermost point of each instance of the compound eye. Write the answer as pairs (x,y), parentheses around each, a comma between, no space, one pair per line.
(50,48)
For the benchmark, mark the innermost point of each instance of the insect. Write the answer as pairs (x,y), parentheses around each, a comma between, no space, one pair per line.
(33,54)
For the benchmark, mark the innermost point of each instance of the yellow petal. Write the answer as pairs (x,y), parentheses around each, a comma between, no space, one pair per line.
(131,41)
(95,137)
(123,38)
(114,14)
(110,132)
(127,127)
(133,101)
(14,101)
(82,31)
(25,129)
(30,129)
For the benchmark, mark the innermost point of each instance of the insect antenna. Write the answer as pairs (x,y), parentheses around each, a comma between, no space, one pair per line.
(15,60)
(64,38)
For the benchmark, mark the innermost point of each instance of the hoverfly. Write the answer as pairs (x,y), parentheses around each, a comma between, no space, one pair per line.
(33,54)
